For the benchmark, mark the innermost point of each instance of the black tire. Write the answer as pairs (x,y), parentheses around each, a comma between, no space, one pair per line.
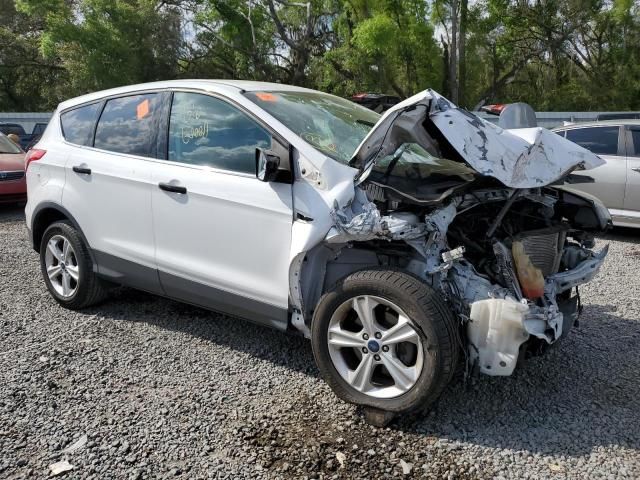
(436,327)
(90,289)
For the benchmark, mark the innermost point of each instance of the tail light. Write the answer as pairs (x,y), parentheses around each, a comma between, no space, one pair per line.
(33,155)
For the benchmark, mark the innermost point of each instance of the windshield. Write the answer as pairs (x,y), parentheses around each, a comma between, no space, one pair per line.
(7,146)
(333,125)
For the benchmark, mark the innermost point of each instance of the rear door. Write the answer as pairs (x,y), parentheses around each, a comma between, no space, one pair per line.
(222,236)
(108,183)
(607,141)
(632,192)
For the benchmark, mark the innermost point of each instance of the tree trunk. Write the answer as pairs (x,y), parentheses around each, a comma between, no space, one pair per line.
(445,61)
(453,52)
(462,69)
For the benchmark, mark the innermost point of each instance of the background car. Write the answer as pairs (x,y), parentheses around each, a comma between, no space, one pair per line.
(27,140)
(13,187)
(375,101)
(617,183)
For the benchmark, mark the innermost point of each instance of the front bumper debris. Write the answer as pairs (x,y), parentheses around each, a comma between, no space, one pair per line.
(497,327)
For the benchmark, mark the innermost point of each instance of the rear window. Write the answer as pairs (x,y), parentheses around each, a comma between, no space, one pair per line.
(77,124)
(12,129)
(599,140)
(7,146)
(129,125)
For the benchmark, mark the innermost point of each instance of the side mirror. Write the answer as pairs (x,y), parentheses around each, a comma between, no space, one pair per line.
(267,164)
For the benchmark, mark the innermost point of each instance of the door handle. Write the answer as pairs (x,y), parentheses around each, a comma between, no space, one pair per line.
(167,187)
(83,170)
(636,169)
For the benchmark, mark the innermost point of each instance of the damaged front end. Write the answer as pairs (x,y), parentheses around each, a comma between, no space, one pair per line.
(509,269)
(498,236)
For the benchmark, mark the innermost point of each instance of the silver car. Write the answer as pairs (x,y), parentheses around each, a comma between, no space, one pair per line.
(617,182)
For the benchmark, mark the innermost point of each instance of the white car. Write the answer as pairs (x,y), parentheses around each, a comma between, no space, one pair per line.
(397,244)
(617,182)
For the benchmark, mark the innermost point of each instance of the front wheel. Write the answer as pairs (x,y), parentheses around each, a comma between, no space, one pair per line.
(385,339)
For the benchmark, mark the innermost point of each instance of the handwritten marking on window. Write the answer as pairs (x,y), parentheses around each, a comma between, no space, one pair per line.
(194,132)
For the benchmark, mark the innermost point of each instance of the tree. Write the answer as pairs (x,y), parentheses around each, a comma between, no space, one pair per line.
(106,43)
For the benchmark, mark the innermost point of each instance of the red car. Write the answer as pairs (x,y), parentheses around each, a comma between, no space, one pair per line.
(13,186)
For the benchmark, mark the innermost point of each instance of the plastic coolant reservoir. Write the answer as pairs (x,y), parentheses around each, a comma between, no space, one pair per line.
(495,333)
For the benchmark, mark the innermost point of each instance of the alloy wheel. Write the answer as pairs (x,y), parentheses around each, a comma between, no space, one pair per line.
(62,266)
(375,347)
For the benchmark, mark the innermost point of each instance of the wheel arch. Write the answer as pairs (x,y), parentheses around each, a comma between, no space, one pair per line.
(48,213)
(326,264)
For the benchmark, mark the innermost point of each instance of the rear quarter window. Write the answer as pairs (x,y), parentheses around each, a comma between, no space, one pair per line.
(599,140)
(77,124)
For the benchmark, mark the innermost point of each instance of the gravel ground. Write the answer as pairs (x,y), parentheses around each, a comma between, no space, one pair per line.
(161,389)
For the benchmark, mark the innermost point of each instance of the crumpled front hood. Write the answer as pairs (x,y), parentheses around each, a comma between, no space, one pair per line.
(519,158)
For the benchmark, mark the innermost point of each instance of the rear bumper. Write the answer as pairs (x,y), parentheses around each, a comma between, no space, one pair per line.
(13,190)
(13,198)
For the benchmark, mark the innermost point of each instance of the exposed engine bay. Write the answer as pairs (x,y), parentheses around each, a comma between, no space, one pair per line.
(508,261)
(480,213)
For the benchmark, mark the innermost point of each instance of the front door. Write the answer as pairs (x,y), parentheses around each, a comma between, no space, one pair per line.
(222,236)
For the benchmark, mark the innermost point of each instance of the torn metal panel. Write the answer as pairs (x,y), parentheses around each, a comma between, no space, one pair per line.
(519,158)
(361,221)
(583,272)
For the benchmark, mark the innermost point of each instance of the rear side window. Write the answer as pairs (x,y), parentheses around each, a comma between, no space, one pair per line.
(599,140)
(205,130)
(129,125)
(77,124)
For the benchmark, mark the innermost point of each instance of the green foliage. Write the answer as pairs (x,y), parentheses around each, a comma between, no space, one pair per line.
(554,54)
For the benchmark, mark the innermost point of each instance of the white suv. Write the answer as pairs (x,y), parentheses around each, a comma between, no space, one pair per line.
(397,244)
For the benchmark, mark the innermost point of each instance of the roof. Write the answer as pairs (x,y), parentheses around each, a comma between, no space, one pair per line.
(600,123)
(231,86)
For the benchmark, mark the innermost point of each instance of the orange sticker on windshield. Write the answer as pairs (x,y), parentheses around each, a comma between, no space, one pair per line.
(142,110)
(267,97)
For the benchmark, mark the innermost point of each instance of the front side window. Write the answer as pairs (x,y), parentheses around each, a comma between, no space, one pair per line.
(129,125)
(78,124)
(333,125)
(205,130)
(599,140)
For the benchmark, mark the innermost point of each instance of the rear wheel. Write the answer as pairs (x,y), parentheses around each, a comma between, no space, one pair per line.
(67,268)
(385,339)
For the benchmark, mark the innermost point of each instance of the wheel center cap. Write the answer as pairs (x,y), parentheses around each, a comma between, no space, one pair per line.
(63,266)
(373,346)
